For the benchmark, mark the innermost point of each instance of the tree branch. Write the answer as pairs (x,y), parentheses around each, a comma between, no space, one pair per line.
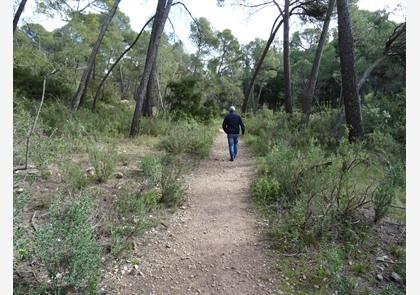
(31,131)
(116,62)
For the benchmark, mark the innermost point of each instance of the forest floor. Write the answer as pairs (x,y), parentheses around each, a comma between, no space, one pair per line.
(215,244)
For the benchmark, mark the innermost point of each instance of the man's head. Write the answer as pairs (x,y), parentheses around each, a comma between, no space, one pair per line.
(231,109)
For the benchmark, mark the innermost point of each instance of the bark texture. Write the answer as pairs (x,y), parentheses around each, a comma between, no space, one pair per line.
(84,81)
(18,14)
(308,98)
(258,66)
(286,60)
(116,62)
(348,74)
(162,11)
(150,94)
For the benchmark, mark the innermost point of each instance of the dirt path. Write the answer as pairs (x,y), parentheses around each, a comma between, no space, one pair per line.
(214,244)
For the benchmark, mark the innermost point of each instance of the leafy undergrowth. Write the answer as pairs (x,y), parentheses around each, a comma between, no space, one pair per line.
(335,209)
(90,191)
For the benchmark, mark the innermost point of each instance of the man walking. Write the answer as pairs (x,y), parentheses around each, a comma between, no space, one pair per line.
(231,125)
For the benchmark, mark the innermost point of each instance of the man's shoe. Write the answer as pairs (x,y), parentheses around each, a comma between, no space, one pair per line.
(231,160)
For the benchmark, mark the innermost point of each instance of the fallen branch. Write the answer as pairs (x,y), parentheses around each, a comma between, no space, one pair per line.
(290,255)
(34,226)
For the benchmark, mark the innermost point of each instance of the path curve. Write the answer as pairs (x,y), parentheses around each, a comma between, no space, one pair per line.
(214,243)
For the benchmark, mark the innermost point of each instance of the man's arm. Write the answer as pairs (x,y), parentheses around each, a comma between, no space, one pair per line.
(224,125)
(242,125)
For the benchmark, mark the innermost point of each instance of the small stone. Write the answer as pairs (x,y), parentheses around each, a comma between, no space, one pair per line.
(90,171)
(379,277)
(20,190)
(33,171)
(382,258)
(119,175)
(396,277)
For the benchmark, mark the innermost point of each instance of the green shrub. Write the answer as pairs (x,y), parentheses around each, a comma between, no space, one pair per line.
(186,103)
(103,159)
(151,168)
(67,249)
(361,268)
(189,137)
(341,285)
(322,195)
(171,186)
(151,199)
(265,190)
(75,176)
(392,289)
(22,245)
(156,126)
(132,209)
(382,199)
(385,145)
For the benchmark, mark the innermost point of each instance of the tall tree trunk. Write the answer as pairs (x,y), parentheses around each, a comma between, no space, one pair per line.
(159,93)
(219,68)
(257,99)
(258,66)
(198,58)
(348,74)
(86,73)
(286,60)
(150,93)
(94,70)
(18,14)
(162,11)
(121,81)
(307,100)
(116,62)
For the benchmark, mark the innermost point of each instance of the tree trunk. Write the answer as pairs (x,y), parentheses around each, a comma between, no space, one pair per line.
(219,68)
(307,100)
(348,74)
(150,93)
(159,94)
(258,66)
(86,73)
(116,62)
(121,81)
(257,99)
(94,70)
(162,11)
(286,60)
(198,58)
(18,14)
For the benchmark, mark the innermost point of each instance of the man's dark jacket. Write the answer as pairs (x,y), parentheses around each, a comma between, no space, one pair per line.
(232,122)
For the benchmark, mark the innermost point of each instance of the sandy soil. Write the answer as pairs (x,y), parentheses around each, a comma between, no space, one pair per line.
(213,245)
